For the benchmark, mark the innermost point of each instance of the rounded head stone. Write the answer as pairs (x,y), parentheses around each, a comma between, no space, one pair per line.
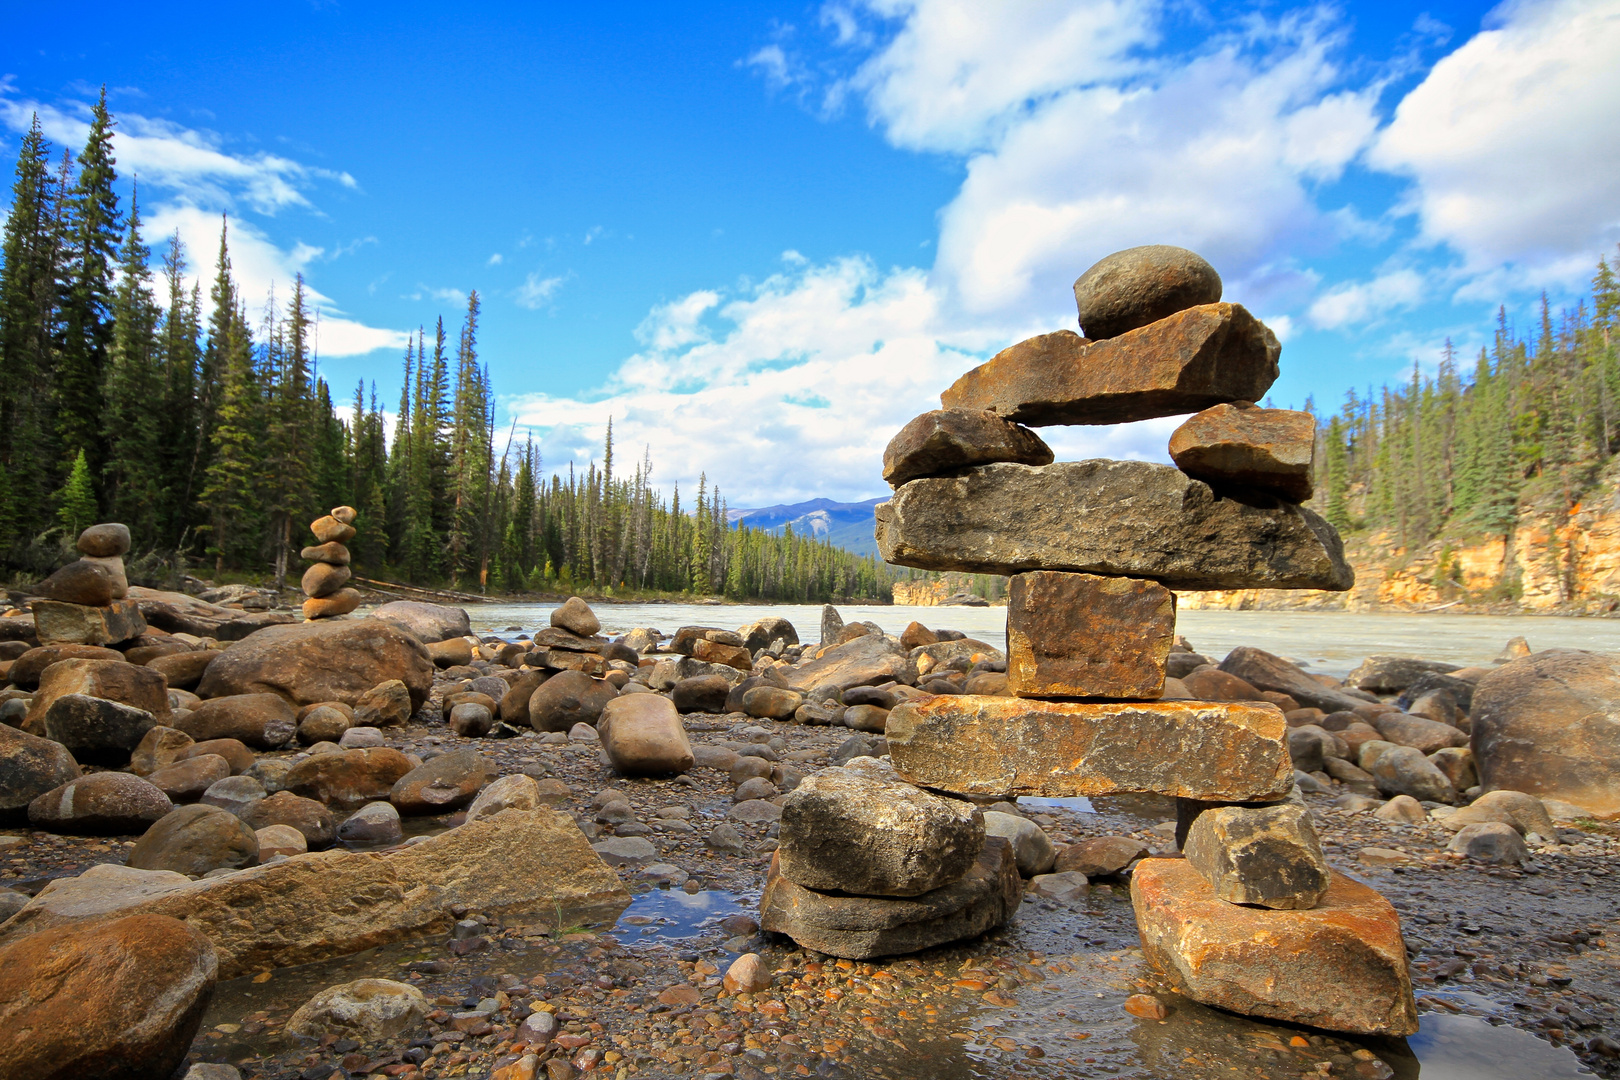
(106,540)
(1132,288)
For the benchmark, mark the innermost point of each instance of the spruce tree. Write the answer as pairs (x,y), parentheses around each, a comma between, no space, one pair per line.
(133,478)
(76,501)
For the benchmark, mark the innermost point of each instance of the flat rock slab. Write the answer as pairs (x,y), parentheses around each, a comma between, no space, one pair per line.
(945,440)
(1117,518)
(177,613)
(1264,671)
(1340,966)
(1215,751)
(1270,449)
(862,927)
(331,903)
(1081,635)
(1202,356)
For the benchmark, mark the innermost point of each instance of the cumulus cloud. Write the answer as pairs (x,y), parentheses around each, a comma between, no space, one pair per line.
(536,291)
(1512,145)
(1358,302)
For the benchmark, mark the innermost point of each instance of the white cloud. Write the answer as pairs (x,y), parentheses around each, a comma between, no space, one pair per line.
(536,292)
(496,259)
(1513,146)
(1358,302)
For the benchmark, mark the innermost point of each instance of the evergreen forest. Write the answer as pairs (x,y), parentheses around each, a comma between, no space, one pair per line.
(202,423)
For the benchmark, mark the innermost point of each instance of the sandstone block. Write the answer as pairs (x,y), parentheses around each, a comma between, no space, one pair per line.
(113,680)
(97,729)
(945,440)
(1340,965)
(312,662)
(350,778)
(715,652)
(1116,518)
(1267,855)
(842,832)
(869,660)
(1080,635)
(447,782)
(1142,285)
(56,622)
(388,704)
(642,735)
(1226,752)
(1246,446)
(1202,356)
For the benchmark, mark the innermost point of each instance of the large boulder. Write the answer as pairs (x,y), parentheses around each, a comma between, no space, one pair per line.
(1114,518)
(331,903)
(114,680)
(101,804)
(177,613)
(569,698)
(843,832)
(944,440)
(326,660)
(447,782)
(1549,725)
(1340,965)
(195,839)
(122,999)
(56,622)
(27,668)
(1202,356)
(642,735)
(350,778)
(29,767)
(861,927)
(96,729)
(263,721)
(1265,671)
(425,622)
(869,660)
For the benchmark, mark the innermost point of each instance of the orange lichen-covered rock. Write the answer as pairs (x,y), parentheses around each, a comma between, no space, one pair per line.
(1340,965)
(1082,635)
(1214,751)
(1270,449)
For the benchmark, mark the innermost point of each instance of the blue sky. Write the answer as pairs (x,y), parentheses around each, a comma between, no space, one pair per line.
(761,237)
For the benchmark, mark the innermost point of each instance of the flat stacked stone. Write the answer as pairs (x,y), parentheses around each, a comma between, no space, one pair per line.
(87,602)
(329,572)
(1093,550)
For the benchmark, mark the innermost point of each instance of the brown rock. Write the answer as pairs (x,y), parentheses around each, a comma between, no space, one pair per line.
(1007,746)
(1213,684)
(713,652)
(747,975)
(178,613)
(329,530)
(576,616)
(25,672)
(1339,966)
(330,607)
(264,721)
(1242,445)
(348,779)
(280,840)
(568,698)
(185,780)
(345,515)
(860,927)
(183,670)
(324,579)
(452,652)
(1191,360)
(916,635)
(334,553)
(642,735)
(514,705)
(234,751)
(1425,734)
(123,999)
(111,679)
(1079,635)
(85,583)
(105,541)
(159,747)
(195,839)
(1549,725)
(700,693)
(1116,518)
(945,440)
(1264,855)
(1142,285)
(30,766)
(447,782)
(101,804)
(869,660)
(425,622)
(1264,671)
(1099,856)
(56,622)
(321,661)
(309,817)
(388,704)
(114,567)
(322,723)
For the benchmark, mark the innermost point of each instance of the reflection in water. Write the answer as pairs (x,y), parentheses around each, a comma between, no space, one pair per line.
(1467,1048)
(674,913)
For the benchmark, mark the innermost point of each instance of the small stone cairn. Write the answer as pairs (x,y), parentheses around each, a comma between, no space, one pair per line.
(1251,920)
(87,601)
(324,581)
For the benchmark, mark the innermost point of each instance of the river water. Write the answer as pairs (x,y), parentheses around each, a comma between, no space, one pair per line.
(1331,642)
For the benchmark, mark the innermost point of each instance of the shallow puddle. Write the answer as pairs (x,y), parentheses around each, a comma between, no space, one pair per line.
(674,913)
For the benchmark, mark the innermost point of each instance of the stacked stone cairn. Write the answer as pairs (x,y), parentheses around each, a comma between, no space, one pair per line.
(87,601)
(324,581)
(1251,920)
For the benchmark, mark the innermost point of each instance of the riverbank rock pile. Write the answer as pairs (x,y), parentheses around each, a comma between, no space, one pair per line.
(1251,920)
(324,581)
(87,601)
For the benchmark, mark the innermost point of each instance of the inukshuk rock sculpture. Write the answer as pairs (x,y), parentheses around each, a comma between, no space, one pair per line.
(87,601)
(1251,920)
(324,581)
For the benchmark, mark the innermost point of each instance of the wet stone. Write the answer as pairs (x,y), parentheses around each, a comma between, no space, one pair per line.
(1268,856)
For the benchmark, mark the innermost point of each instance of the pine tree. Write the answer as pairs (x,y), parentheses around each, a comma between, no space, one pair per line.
(76,501)
(133,475)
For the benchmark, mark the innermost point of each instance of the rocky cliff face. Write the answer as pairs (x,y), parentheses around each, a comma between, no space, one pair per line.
(1551,563)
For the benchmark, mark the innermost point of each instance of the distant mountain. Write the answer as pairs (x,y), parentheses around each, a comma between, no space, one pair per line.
(844,525)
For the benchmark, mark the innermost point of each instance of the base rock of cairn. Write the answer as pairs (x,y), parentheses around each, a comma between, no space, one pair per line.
(1093,548)
(87,602)
(324,581)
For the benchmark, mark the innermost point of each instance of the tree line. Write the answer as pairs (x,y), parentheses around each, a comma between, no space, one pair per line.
(207,429)
(1457,455)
